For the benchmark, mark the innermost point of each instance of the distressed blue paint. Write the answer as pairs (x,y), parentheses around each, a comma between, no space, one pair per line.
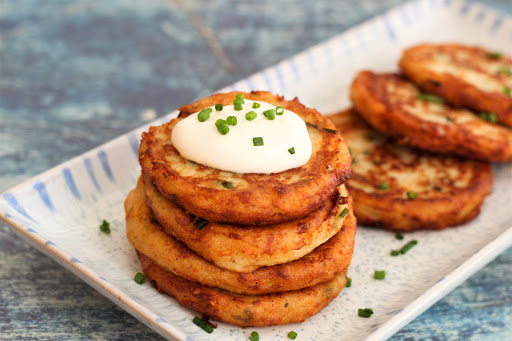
(74,260)
(14,204)
(49,243)
(103,279)
(497,24)
(389,29)
(134,141)
(31,230)
(40,187)
(480,16)
(68,177)
(103,157)
(90,171)
(160,320)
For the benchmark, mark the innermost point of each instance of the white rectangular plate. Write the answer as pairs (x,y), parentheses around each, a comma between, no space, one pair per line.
(59,211)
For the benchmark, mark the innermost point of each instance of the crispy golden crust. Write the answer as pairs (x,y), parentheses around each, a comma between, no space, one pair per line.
(322,264)
(244,310)
(257,199)
(464,75)
(246,248)
(449,190)
(388,102)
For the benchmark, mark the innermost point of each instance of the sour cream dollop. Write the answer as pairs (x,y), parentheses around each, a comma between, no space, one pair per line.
(201,142)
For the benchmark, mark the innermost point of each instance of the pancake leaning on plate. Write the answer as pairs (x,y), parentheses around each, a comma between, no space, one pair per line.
(404,189)
(246,248)
(390,104)
(255,199)
(465,76)
(322,264)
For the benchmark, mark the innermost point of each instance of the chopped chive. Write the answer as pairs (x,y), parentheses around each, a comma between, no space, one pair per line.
(231,120)
(223,129)
(399,236)
(279,110)
(202,324)
(350,151)
(240,97)
(227,184)
(251,115)
(507,91)
(292,335)
(255,336)
(105,227)
(200,222)
(220,121)
(349,282)
(204,114)
(257,141)
(384,186)
(343,213)
(379,274)
(255,105)
(291,150)
(488,116)
(270,114)
(395,253)
(408,246)
(505,70)
(139,278)
(429,98)
(494,54)
(238,104)
(448,118)
(219,107)
(411,195)
(366,312)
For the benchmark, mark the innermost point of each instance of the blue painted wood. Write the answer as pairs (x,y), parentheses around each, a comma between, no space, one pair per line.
(75,74)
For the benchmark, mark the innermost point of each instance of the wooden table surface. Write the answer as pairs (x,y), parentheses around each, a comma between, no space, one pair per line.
(75,74)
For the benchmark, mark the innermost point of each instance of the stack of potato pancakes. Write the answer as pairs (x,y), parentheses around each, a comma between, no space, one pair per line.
(244,248)
(422,140)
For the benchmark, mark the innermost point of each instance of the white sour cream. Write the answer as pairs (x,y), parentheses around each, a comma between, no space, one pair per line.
(201,142)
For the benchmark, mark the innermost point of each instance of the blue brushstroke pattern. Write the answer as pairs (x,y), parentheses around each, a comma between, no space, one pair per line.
(66,173)
(90,171)
(40,187)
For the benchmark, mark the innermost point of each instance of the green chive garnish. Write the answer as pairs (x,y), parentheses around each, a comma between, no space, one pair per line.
(379,274)
(204,114)
(366,312)
(429,98)
(505,70)
(384,186)
(240,97)
(255,336)
(408,246)
(202,324)
(238,104)
(231,120)
(488,116)
(291,150)
(257,141)
(279,110)
(105,227)
(292,335)
(251,115)
(255,105)
(220,121)
(139,278)
(343,213)
(395,253)
(270,114)
(494,54)
(349,282)
(227,184)
(399,236)
(507,91)
(200,222)
(411,195)
(223,129)
(219,107)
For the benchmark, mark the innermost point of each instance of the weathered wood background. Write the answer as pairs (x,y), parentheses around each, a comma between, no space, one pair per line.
(75,74)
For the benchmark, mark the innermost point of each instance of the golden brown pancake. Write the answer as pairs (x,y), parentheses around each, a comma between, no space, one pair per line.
(322,264)
(244,248)
(465,76)
(256,199)
(244,310)
(406,189)
(389,103)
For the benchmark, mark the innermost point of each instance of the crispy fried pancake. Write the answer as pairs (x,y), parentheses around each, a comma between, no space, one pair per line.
(448,190)
(388,102)
(244,310)
(256,199)
(246,248)
(465,76)
(322,264)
